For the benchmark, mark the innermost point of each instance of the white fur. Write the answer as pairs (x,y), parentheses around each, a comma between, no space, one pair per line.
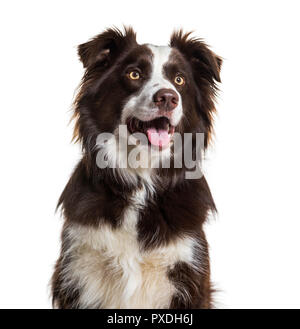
(109,266)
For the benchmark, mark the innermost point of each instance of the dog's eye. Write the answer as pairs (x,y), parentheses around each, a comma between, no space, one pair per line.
(134,75)
(179,80)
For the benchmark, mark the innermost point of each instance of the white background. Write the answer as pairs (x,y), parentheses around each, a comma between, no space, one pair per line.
(252,168)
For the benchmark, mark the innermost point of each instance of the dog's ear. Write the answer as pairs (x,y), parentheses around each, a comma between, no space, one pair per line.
(205,63)
(206,66)
(105,46)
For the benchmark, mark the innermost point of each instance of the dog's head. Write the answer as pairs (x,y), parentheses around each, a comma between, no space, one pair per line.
(155,90)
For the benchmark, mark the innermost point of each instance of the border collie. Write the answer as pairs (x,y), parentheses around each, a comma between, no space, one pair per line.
(133,234)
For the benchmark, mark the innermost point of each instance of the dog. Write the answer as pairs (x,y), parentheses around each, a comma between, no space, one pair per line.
(133,236)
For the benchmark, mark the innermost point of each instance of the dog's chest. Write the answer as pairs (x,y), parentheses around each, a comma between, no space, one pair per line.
(112,271)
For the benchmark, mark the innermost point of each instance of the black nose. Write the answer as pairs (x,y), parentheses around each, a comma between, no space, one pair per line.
(166,99)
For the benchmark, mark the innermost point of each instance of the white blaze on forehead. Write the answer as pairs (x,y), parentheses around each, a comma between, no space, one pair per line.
(161,56)
(141,105)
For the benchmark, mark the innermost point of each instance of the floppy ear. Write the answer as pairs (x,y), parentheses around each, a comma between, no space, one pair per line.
(204,62)
(105,46)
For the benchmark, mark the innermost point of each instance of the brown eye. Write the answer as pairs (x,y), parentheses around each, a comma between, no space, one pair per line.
(179,80)
(134,75)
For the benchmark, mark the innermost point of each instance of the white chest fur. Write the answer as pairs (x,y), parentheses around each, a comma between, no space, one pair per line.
(110,268)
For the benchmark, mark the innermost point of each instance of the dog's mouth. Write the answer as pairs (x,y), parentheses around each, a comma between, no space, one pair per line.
(158,131)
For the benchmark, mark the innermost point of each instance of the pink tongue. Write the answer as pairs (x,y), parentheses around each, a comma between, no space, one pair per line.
(158,137)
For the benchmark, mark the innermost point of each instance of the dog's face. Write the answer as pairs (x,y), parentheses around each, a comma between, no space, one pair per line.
(156,109)
(155,90)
